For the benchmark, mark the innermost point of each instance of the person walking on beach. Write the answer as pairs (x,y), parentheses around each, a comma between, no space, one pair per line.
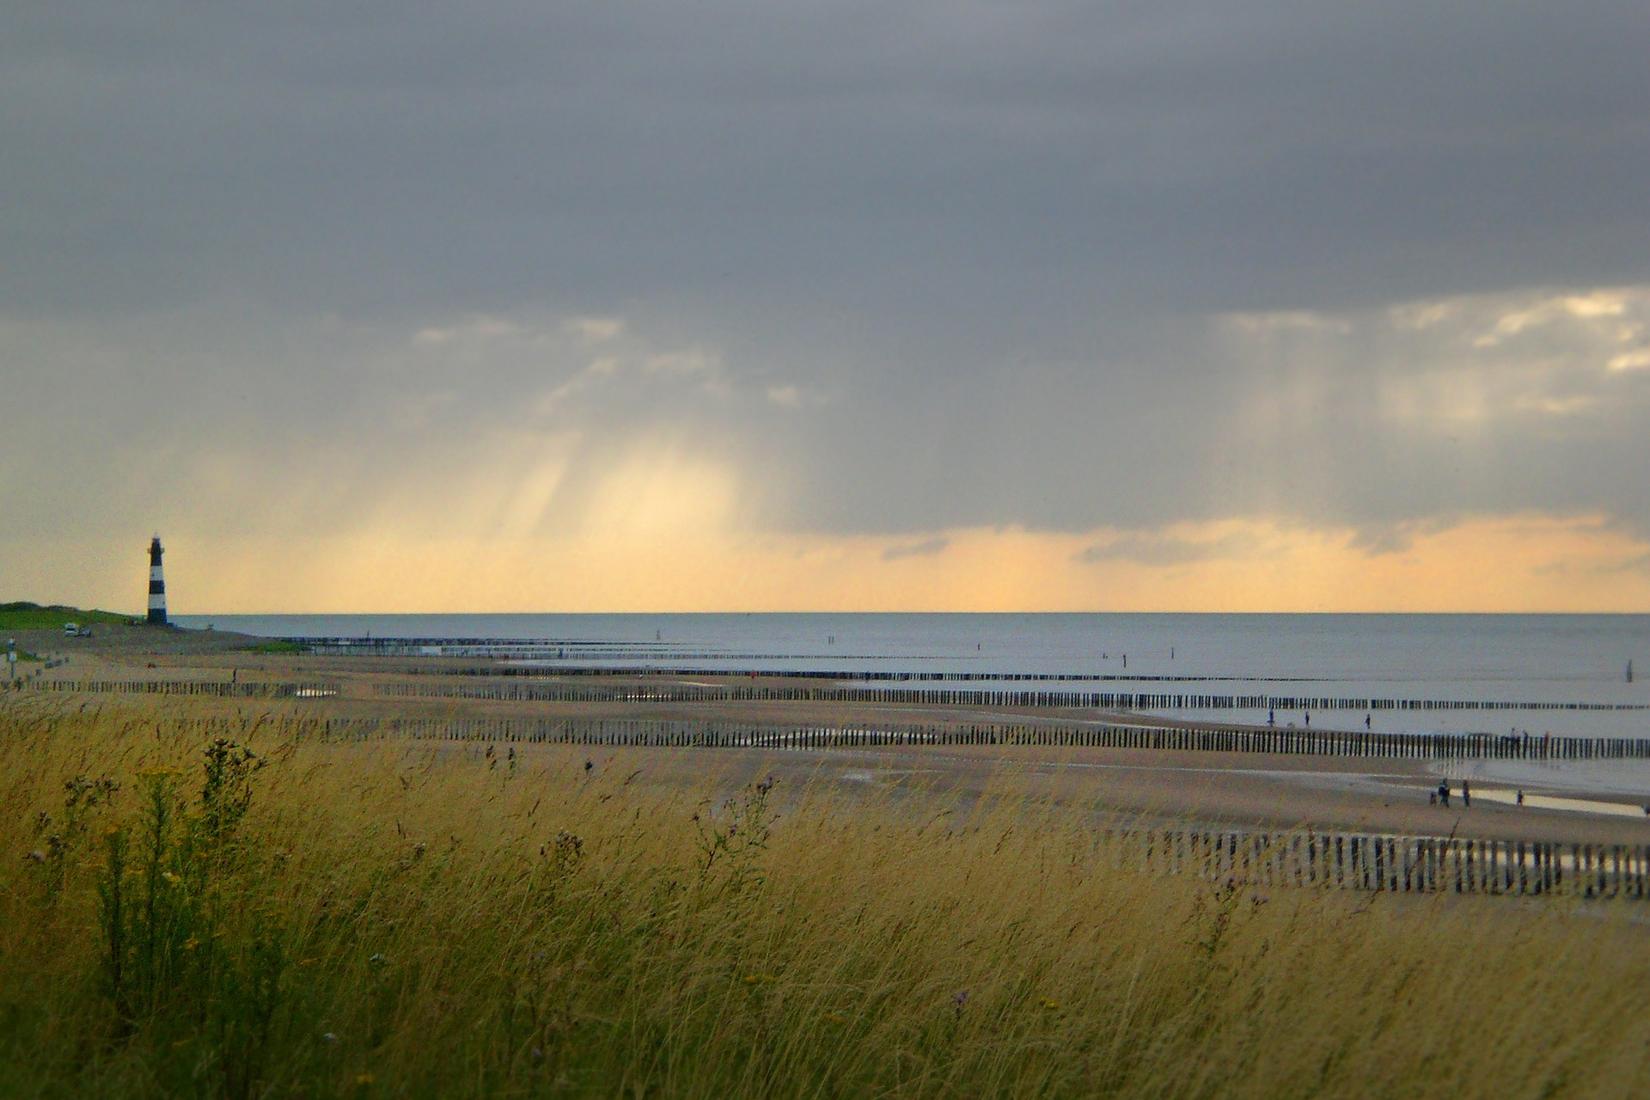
(1443,793)
(1367,719)
(1466,794)
(1271,718)
(1520,796)
(1308,716)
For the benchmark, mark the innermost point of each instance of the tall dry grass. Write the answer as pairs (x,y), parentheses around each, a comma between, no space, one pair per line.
(331,919)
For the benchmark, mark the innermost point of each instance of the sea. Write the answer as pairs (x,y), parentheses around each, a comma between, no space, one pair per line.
(1595,669)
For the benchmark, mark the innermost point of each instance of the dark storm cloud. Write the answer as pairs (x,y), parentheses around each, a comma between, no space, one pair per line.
(364,157)
(954,263)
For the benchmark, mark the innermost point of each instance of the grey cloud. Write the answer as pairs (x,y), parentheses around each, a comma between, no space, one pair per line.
(1148,549)
(1397,536)
(1635,563)
(927,548)
(997,249)
(1361,423)
(320,424)
(1386,538)
(329,425)
(1041,156)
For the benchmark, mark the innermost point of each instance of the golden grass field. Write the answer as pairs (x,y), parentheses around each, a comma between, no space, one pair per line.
(275,915)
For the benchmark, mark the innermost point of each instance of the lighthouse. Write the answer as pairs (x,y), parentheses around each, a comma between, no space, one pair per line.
(157,584)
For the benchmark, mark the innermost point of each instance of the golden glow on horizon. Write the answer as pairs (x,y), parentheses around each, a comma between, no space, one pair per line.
(578,495)
(1519,563)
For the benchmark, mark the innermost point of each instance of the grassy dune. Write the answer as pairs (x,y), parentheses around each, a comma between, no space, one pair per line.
(22,615)
(273,915)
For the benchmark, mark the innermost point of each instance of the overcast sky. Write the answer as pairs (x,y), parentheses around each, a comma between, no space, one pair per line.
(948,304)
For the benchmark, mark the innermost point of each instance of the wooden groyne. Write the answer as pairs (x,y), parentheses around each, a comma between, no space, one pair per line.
(576,691)
(223,689)
(1392,863)
(718,733)
(1086,734)
(515,649)
(583,692)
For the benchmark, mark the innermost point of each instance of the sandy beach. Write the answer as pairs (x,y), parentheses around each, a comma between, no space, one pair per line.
(1241,789)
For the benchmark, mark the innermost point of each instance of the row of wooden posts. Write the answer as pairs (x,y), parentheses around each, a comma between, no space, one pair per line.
(1091,734)
(1400,864)
(716,733)
(888,676)
(224,689)
(554,691)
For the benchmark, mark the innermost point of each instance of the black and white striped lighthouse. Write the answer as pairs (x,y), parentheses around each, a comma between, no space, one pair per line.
(157,584)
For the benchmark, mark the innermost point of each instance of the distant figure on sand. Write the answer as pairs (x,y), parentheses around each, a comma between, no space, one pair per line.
(1443,793)
(1367,719)
(1308,716)
(1466,793)
(1520,796)
(1271,718)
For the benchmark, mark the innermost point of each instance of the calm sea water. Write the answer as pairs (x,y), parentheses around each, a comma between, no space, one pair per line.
(1518,658)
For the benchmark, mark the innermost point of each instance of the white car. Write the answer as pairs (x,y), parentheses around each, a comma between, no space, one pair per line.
(71,629)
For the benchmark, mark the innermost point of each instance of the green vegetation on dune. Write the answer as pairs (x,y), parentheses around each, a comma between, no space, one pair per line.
(279,645)
(22,615)
(267,913)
